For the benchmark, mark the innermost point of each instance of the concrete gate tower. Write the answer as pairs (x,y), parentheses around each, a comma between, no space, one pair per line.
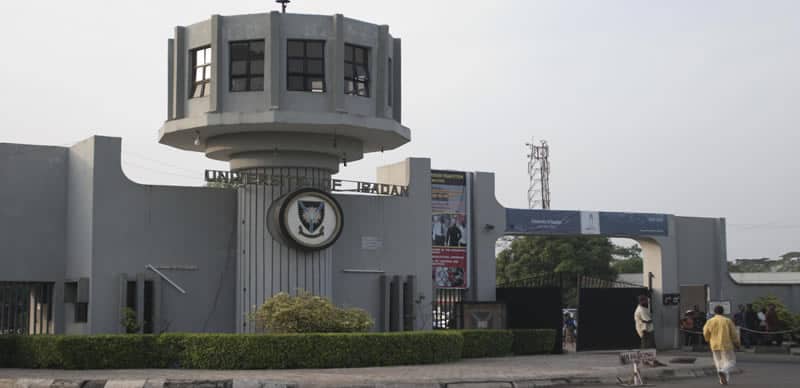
(285,99)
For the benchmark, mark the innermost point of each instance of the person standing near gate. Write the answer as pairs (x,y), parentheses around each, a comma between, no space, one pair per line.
(720,333)
(644,323)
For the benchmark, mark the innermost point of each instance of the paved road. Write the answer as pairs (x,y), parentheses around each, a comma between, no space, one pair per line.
(757,373)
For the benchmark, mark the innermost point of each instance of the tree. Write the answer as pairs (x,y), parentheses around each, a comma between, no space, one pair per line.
(627,259)
(533,255)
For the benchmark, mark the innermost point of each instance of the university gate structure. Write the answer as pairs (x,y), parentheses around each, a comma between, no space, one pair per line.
(288,100)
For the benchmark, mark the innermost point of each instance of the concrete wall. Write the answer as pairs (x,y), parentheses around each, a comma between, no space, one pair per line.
(401,226)
(135,225)
(488,224)
(33,213)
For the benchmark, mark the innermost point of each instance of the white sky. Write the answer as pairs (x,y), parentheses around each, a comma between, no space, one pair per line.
(684,107)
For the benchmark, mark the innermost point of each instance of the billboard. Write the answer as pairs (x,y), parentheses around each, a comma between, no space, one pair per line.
(569,222)
(450,228)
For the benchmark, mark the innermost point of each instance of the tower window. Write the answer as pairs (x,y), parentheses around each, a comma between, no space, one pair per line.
(305,64)
(247,66)
(201,72)
(390,78)
(356,70)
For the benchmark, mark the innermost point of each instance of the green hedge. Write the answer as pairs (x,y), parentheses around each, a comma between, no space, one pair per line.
(533,341)
(487,343)
(230,351)
(267,351)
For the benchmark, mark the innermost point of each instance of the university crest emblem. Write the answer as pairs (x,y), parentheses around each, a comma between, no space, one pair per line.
(312,216)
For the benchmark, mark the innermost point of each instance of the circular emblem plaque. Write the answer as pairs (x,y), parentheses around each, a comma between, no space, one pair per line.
(311,218)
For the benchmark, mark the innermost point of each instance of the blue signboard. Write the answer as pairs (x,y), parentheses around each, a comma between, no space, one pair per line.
(637,224)
(532,221)
(570,222)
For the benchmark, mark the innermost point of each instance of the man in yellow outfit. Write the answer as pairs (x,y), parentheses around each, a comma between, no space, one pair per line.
(722,338)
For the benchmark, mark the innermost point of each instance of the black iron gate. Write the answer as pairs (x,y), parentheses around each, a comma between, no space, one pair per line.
(534,303)
(26,308)
(605,314)
(448,308)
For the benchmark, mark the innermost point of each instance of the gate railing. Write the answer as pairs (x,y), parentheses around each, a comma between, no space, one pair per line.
(538,281)
(591,282)
(448,308)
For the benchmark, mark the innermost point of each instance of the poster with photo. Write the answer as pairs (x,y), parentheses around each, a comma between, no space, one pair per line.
(449,229)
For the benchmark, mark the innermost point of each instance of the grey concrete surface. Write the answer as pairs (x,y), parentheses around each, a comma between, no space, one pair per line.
(773,372)
(495,372)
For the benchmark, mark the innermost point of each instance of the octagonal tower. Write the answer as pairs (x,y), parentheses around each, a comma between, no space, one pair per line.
(289,96)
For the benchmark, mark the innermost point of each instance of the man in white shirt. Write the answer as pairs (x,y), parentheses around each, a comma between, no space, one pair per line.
(644,323)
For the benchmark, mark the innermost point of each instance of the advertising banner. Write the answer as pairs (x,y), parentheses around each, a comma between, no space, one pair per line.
(449,228)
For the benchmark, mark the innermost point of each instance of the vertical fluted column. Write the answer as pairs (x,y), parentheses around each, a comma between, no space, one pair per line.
(265,266)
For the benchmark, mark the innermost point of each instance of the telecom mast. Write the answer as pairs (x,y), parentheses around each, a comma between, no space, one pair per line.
(538,175)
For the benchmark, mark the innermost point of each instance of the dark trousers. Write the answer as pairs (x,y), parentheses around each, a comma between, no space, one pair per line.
(688,339)
(648,340)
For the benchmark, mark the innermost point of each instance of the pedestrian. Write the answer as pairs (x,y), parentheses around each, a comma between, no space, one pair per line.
(699,318)
(569,328)
(687,326)
(720,332)
(762,326)
(750,323)
(644,323)
(773,325)
(738,320)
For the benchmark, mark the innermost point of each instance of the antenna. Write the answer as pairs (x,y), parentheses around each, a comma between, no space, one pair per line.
(283,4)
(538,175)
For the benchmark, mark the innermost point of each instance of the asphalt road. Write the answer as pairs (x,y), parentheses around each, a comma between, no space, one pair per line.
(757,373)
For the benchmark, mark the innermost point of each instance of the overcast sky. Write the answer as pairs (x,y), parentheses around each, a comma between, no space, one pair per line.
(683,107)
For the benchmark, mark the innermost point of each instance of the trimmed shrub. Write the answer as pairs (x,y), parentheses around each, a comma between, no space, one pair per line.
(8,349)
(486,343)
(533,341)
(86,352)
(230,351)
(307,313)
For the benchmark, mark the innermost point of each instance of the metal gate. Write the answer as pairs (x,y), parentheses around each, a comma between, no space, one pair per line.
(605,314)
(448,308)
(26,308)
(534,303)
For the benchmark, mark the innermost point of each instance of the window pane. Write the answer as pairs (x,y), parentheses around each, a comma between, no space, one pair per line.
(257,49)
(239,68)
(348,52)
(295,83)
(208,72)
(207,89)
(361,73)
(390,79)
(362,88)
(315,66)
(198,90)
(208,55)
(361,55)
(257,67)
(294,48)
(239,51)
(238,84)
(257,83)
(295,65)
(199,58)
(348,87)
(198,74)
(349,71)
(316,84)
(315,49)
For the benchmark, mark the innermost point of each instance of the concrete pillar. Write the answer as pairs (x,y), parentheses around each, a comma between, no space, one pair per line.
(265,265)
